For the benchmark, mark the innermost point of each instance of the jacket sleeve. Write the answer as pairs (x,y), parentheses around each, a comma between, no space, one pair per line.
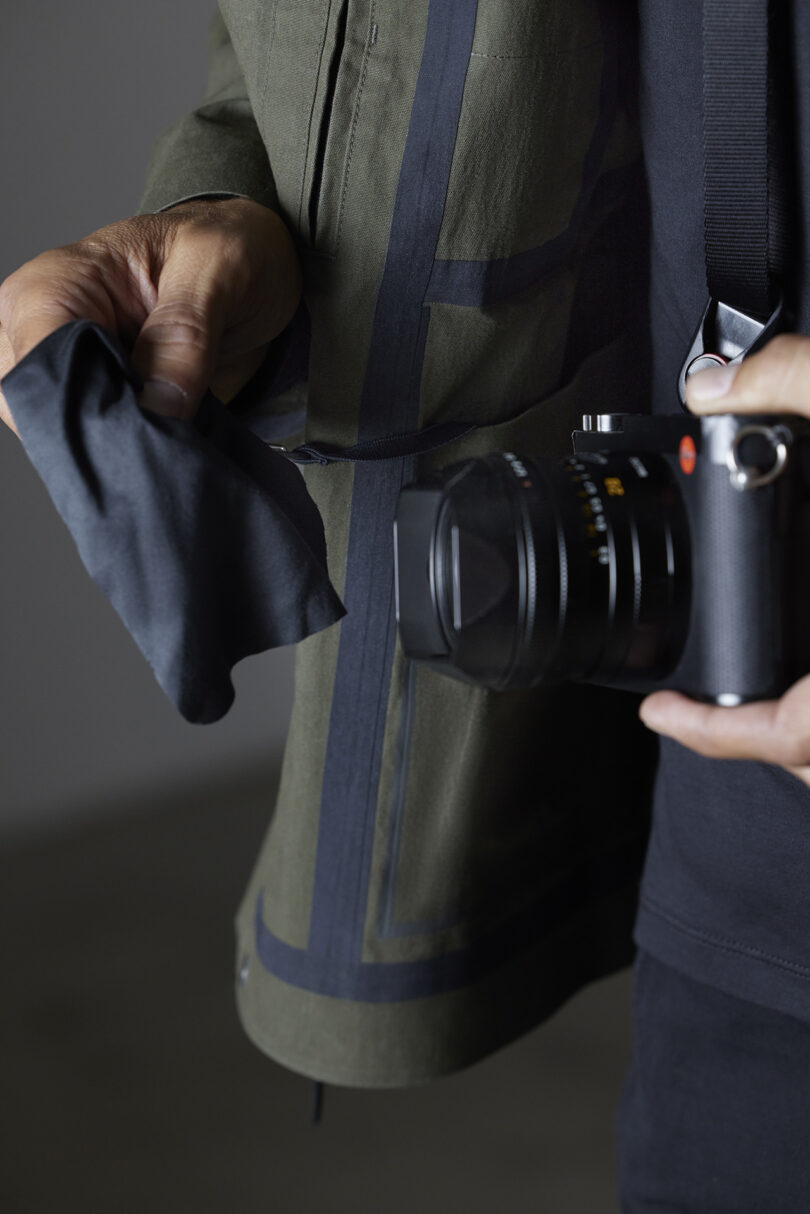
(216,149)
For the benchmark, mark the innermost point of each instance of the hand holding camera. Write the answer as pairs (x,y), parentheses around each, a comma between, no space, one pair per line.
(668,552)
(776,380)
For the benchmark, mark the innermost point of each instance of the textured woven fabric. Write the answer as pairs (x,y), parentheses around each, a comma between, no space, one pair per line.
(725,897)
(205,541)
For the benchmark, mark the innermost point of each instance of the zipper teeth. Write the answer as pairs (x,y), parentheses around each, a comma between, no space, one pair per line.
(326,120)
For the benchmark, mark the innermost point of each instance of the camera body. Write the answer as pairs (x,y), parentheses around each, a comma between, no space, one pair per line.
(667,551)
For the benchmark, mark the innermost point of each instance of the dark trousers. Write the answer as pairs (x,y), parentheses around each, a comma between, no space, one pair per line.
(715,1112)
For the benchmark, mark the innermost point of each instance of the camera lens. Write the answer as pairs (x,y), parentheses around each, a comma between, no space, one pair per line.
(542,570)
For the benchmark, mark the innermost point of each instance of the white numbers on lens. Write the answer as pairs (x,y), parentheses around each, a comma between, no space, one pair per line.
(518,467)
(595,521)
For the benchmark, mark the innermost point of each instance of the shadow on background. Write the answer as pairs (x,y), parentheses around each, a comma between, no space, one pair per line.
(128,1086)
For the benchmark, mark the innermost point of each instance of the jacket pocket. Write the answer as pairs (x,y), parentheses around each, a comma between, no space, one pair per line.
(531,105)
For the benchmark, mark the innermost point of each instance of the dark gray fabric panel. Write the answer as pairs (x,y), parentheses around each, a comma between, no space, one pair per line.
(715,1113)
(725,897)
(206,542)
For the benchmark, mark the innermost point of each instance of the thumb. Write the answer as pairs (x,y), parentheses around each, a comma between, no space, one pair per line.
(175,351)
(774,380)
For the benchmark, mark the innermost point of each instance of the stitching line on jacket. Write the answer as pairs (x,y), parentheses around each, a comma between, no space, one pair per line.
(355,117)
(311,116)
(722,942)
(361,888)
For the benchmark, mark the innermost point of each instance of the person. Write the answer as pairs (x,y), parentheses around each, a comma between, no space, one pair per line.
(447,864)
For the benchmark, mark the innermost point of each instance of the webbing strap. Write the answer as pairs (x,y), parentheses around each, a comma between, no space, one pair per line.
(393,446)
(745,191)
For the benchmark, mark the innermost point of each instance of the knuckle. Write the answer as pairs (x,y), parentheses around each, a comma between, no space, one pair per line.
(22,294)
(95,247)
(124,248)
(220,240)
(173,325)
(96,259)
(10,288)
(138,236)
(36,280)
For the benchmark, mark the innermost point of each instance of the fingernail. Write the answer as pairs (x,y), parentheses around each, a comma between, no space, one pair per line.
(712,384)
(160,396)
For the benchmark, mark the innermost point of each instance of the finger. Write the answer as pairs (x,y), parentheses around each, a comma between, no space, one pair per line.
(6,353)
(49,291)
(773,731)
(6,363)
(175,351)
(32,317)
(776,379)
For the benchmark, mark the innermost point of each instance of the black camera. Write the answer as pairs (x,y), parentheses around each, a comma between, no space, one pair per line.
(667,551)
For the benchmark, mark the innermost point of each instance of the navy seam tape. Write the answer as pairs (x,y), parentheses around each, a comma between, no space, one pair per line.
(390,403)
(609,876)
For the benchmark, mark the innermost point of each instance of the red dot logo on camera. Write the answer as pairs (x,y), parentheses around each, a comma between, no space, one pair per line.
(687,454)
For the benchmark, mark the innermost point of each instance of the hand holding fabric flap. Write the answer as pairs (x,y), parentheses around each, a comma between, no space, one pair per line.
(205,541)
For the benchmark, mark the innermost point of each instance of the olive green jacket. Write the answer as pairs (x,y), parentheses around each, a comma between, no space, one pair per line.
(445,864)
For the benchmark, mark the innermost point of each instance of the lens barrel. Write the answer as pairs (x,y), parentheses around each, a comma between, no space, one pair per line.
(542,570)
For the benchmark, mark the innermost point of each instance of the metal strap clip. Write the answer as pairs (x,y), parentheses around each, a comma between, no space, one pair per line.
(726,335)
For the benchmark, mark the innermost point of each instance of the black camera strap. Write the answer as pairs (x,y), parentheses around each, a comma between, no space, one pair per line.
(747,162)
(744,221)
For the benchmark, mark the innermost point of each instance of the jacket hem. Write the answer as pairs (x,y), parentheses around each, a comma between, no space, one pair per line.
(355,1044)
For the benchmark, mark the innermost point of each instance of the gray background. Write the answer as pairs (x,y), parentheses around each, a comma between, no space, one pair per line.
(85,88)
(127,835)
